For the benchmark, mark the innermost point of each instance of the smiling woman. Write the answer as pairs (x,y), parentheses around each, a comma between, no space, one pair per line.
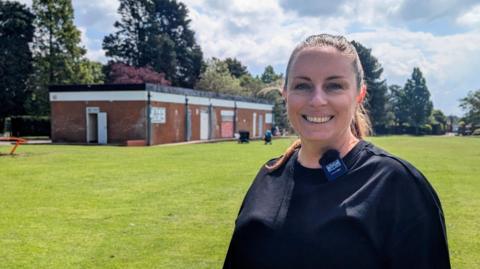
(333,200)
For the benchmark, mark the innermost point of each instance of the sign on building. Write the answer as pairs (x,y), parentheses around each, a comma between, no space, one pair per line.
(158,115)
(268,118)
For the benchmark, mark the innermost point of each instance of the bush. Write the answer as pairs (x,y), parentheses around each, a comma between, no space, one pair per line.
(425,129)
(30,126)
(438,129)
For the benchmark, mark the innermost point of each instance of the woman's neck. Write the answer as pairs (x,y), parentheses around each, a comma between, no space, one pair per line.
(310,153)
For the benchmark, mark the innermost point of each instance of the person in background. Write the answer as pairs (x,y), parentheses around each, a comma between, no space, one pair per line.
(268,137)
(277,131)
(334,200)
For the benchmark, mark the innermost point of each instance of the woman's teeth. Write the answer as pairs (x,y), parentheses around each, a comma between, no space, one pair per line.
(318,119)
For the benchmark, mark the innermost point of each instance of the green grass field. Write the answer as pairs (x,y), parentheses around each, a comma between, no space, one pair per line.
(174,207)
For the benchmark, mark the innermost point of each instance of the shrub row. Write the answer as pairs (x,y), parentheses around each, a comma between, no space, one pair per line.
(426,129)
(29,126)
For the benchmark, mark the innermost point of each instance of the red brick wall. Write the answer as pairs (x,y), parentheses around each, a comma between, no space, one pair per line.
(173,130)
(68,122)
(125,120)
(196,120)
(245,121)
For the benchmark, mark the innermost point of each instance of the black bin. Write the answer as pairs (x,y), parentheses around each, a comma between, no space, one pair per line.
(244,137)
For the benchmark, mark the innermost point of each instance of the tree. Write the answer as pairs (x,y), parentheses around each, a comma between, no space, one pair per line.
(236,68)
(156,33)
(376,88)
(398,103)
(273,92)
(251,85)
(471,105)
(16,32)
(438,122)
(268,76)
(58,55)
(217,78)
(90,72)
(119,73)
(418,96)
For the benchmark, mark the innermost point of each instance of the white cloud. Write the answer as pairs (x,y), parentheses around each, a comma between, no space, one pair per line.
(259,33)
(449,63)
(471,17)
(93,52)
(96,14)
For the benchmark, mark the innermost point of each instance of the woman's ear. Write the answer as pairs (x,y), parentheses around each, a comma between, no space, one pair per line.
(361,94)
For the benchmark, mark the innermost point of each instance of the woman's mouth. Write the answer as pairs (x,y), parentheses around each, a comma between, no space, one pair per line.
(322,119)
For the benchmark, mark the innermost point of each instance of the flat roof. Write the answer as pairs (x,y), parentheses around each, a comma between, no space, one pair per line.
(153,88)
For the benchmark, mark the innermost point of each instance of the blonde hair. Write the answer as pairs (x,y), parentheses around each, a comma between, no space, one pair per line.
(360,125)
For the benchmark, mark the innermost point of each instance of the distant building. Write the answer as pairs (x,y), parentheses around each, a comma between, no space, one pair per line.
(150,114)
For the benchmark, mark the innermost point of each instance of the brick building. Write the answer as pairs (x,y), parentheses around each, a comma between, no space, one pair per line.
(151,114)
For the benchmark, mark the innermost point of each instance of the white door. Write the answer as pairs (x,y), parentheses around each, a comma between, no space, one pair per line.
(260,125)
(254,127)
(102,128)
(203,125)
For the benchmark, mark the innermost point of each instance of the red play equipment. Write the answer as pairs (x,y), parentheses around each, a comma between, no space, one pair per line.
(17,141)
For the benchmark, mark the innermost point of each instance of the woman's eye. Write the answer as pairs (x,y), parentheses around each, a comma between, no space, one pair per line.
(302,86)
(334,86)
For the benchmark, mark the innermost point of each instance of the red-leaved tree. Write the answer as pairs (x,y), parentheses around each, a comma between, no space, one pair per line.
(120,73)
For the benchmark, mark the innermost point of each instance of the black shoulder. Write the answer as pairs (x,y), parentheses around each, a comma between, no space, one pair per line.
(406,176)
(393,163)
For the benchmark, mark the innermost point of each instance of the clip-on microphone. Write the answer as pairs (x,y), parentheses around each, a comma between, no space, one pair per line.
(332,165)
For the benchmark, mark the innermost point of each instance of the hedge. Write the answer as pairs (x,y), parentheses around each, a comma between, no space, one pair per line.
(30,126)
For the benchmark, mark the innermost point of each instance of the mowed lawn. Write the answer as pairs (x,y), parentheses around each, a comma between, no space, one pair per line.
(175,206)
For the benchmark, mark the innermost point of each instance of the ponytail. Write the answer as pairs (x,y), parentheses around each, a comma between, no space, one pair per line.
(286,155)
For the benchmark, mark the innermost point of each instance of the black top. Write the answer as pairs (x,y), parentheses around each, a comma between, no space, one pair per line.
(381,214)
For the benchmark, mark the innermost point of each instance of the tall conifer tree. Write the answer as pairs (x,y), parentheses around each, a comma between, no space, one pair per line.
(376,87)
(58,55)
(16,32)
(156,33)
(418,96)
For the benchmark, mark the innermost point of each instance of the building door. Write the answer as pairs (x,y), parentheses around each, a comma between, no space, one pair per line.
(204,128)
(102,128)
(226,130)
(92,127)
(189,125)
(260,125)
(96,126)
(254,125)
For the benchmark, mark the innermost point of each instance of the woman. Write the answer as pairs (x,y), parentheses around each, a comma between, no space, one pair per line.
(334,200)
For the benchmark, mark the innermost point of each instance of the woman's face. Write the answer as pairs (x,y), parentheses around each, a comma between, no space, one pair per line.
(321,95)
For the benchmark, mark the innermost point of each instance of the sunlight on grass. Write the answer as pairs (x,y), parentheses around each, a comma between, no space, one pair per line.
(174,207)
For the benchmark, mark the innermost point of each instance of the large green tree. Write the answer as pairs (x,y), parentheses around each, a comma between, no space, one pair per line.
(252,85)
(156,33)
(58,56)
(418,96)
(236,68)
(398,104)
(273,92)
(269,76)
(471,105)
(217,78)
(16,32)
(376,87)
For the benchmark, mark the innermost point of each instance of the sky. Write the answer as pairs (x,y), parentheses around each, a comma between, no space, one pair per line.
(441,37)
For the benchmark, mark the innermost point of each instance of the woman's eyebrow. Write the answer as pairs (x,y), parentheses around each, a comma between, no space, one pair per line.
(334,77)
(304,78)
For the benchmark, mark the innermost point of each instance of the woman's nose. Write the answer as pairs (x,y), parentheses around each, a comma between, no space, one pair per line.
(318,97)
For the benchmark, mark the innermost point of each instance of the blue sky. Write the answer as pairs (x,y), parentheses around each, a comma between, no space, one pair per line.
(442,37)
